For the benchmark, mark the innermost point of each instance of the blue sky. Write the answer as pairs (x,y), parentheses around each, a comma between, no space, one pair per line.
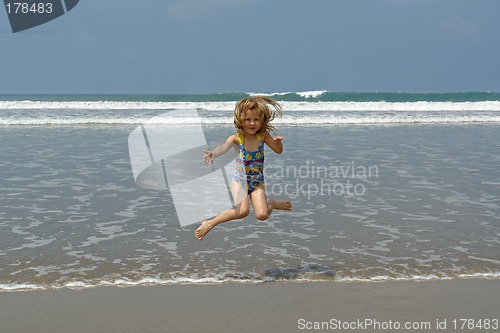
(205,46)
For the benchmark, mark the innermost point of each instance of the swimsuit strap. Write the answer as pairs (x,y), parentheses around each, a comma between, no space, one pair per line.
(241,138)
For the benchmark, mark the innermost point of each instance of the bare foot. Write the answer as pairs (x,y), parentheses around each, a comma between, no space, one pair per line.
(282,204)
(204,228)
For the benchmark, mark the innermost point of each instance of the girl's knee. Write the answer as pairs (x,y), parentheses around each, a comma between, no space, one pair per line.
(261,216)
(242,213)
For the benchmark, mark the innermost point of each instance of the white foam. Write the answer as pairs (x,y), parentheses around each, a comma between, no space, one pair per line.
(311,94)
(36,113)
(218,280)
(229,106)
(430,277)
(303,94)
(20,286)
(303,120)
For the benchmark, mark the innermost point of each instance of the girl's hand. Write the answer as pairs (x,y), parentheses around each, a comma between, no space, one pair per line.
(208,157)
(274,142)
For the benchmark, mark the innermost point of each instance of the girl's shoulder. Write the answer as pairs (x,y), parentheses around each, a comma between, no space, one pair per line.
(265,135)
(239,138)
(234,139)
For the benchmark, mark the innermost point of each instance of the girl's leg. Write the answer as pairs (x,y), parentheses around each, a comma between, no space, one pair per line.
(241,211)
(264,208)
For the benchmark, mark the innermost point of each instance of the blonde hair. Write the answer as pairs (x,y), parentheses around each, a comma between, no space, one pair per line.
(261,105)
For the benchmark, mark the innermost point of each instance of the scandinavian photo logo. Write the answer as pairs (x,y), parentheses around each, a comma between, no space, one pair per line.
(26,14)
(169,157)
(314,178)
(166,154)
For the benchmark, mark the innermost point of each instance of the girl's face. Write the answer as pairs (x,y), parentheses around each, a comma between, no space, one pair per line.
(252,122)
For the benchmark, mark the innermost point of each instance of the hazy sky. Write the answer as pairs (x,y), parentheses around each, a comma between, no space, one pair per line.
(205,46)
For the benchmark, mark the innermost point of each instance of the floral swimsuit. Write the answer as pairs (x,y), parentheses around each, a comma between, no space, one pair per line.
(249,165)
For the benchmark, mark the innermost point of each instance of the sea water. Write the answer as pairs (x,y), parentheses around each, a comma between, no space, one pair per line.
(383,186)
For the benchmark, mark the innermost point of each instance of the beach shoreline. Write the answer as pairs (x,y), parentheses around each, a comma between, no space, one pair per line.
(410,306)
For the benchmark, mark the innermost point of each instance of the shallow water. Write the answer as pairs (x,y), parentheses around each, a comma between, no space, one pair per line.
(370,203)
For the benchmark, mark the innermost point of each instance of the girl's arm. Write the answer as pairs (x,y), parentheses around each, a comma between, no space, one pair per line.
(274,143)
(210,156)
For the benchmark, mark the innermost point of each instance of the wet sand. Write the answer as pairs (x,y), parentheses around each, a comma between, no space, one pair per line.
(429,306)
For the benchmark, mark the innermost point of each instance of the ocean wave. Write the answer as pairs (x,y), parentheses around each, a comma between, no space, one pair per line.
(229,106)
(299,120)
(150,281)
(431,277)
(302,94)
(36,113)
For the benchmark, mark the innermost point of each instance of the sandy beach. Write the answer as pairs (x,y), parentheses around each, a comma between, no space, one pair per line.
(72,215)
(429,306)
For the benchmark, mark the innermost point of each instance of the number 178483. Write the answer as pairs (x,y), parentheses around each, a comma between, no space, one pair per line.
(26,8)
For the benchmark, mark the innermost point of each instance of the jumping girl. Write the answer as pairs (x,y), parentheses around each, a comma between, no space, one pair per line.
(252,117)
